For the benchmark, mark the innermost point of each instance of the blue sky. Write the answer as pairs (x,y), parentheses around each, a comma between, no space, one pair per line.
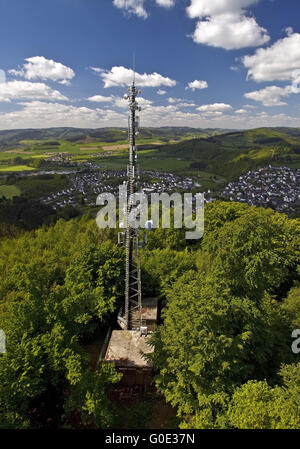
(199,63)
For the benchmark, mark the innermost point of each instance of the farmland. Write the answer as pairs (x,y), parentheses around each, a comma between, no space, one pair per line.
(228,154)
(38,167)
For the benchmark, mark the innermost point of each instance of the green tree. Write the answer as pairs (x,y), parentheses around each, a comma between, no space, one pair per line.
(257,405)
(254,249)
(211,342)
(89,396)
(45,323)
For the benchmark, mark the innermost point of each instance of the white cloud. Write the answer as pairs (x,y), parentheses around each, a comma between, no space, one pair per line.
(230,31)
(275,63)
(216,107)
(121,103)
(204,8)
(180,102)
(270,96)
(121,76)
(166,3)
(137,6)
(97,70)
(38,67)
(185,105)
(65,82)
(249,106)
(143,102)
(197,84)
(100,99)
(223,23)
(241,111)
(132,7)
(118,102)
(40,114)
(161,92)
(16,90)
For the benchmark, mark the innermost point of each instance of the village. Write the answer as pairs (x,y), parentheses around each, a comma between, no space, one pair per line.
(275,187)
(87,184)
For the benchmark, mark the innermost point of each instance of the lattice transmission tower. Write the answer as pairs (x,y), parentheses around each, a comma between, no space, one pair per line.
(132,317)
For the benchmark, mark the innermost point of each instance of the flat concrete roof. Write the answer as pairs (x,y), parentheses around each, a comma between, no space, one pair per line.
(126,349)
(149,309)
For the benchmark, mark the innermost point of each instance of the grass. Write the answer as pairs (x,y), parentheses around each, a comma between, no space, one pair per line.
(15,168)
(168,164)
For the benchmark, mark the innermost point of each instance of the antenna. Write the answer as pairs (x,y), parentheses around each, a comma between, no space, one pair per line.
(132,317)
(133,66)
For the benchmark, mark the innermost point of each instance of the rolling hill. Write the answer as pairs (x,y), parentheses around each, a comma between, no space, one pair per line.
(234,153)
(182,150)
(10,138)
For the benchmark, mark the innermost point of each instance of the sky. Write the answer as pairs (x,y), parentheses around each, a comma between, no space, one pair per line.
(200,63)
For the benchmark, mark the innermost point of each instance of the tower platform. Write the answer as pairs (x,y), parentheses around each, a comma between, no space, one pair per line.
(127,350)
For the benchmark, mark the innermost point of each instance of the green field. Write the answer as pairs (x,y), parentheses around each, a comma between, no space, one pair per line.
(15,168)
(178,150)
(28,150)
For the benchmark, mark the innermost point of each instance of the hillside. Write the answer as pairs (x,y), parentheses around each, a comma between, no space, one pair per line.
(181,150)
(234,153)
(14,137)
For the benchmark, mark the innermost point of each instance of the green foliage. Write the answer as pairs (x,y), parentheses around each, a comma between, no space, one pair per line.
(291,306)
(24,213)
(90,396)
(224,321)
(254,249)
(54,294)
(223,353)
(256,405)
(161,267)
(41,185)
(94,282)
(224,341)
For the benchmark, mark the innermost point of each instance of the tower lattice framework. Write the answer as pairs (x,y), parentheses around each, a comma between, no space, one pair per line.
(133,288)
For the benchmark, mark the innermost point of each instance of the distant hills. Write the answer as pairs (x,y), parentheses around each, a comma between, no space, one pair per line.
(13,137)
(228,153)
(233,153)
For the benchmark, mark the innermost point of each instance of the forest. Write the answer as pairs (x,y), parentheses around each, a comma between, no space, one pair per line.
(229,304)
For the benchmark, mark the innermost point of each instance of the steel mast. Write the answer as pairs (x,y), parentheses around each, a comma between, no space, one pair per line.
(133,292)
